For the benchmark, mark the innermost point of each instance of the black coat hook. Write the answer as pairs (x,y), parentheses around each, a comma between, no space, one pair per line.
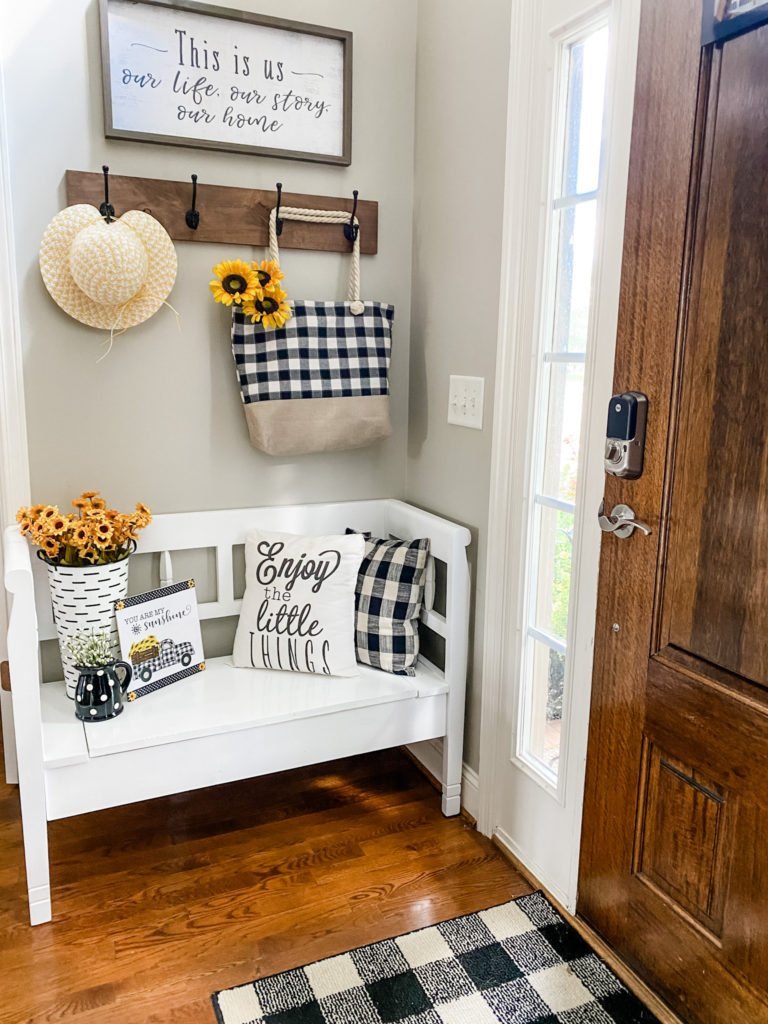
(106,209)
(278,218)
(351,230)
(192,216)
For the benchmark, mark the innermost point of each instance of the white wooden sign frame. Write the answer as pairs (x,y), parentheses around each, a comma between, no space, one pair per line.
(217,78)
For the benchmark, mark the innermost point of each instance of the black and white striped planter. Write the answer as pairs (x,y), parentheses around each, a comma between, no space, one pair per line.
(83,600)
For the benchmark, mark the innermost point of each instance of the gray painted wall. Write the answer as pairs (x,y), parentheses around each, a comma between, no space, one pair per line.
(461,107)
(160,418)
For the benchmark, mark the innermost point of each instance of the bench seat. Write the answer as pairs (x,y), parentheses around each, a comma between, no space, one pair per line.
(222,699)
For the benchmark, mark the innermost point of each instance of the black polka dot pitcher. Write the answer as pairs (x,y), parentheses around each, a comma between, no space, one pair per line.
(99,691)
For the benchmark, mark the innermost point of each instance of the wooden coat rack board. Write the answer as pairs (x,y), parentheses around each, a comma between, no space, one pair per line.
(238,216)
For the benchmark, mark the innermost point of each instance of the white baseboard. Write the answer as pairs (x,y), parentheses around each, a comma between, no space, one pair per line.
(535,869)
(430,754)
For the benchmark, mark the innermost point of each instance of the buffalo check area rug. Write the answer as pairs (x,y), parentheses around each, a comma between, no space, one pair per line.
(519,963)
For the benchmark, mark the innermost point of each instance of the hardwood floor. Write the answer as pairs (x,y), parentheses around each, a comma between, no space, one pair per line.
(158,904)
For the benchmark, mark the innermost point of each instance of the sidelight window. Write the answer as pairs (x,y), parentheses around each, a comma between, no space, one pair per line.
(566,302)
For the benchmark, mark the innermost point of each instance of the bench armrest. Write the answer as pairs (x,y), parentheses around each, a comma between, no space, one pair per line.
(22,621)
(17,560)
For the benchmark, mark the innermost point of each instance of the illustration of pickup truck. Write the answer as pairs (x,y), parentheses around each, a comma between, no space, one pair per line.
(165,654)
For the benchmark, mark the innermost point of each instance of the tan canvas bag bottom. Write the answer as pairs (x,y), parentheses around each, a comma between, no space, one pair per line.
(298,426)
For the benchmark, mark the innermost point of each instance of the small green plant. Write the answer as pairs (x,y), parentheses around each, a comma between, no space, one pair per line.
(91,649)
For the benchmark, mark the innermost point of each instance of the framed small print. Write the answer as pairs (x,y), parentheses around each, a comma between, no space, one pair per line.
(191,74)
(160,637)
(724,19)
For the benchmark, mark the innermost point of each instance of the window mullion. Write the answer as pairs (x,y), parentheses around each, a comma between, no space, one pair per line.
(556,503)
(553,642)
(563,202)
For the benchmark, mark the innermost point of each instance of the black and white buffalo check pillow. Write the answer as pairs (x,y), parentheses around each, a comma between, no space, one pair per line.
(388,599)
(322,352)
(519,963)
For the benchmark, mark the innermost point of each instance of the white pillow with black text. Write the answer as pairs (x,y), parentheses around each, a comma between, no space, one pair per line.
(298,611)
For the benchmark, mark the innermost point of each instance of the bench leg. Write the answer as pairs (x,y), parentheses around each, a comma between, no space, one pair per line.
(452,771)
(39,892)
(40,911)
(35,829)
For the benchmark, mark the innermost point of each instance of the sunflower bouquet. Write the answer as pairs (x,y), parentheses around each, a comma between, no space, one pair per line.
(255,287)
(91,535)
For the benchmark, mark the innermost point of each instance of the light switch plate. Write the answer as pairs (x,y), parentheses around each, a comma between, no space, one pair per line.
(465,401)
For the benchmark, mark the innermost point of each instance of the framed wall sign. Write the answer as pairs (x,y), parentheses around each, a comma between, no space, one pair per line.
(723,19)
(160,636)
(191,74)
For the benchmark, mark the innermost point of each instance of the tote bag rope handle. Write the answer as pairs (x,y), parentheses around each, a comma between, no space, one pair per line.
(321,217)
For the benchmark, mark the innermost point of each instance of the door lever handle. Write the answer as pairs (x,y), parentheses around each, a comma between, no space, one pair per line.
(621,521)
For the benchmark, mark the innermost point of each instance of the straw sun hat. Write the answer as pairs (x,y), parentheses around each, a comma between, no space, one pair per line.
(109,275)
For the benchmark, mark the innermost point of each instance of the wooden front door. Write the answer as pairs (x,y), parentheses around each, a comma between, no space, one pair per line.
(674,868)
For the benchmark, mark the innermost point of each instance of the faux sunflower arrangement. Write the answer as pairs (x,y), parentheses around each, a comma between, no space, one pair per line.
(255,287)
(91,535)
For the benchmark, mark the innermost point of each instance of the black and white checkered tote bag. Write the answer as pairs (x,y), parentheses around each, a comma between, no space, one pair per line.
(321,382)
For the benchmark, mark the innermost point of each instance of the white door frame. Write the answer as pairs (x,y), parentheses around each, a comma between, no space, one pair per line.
(14,452)
(509,472)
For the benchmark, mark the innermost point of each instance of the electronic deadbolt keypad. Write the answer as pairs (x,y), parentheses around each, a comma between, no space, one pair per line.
(625,436)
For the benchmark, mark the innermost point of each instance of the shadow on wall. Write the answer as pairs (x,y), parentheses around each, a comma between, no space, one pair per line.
(429,639)
(418,398)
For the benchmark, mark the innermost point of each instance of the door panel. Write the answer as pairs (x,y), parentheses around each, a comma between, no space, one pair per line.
(718,558)
(674,873)
(682,836)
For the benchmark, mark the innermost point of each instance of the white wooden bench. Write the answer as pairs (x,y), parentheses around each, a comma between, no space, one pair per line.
(225,723)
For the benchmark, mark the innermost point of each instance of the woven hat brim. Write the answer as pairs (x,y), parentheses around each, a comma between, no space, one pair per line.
(57,276)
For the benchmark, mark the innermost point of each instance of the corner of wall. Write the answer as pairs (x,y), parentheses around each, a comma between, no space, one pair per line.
(459,163)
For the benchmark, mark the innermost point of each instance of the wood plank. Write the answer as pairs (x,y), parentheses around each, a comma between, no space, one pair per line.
(718,556)
(235,216)
(159,904)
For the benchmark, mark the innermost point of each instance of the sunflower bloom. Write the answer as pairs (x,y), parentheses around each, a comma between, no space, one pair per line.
(271,312)
(98,503)
(50,546)
(269,274)
(57,525)
(144,511)
(120,526)
(80,537)
(37,532)
(133,524)
(88,495)
(235,282)
(102,533)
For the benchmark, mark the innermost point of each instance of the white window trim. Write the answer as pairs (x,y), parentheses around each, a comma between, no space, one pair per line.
(555,782)
(14,453)
(501,636)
